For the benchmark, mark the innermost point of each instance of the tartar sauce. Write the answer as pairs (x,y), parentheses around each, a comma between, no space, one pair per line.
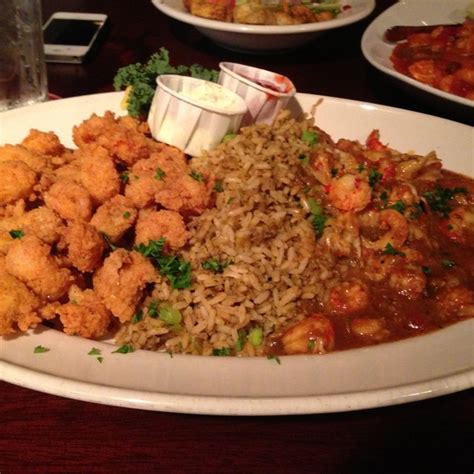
(212,95)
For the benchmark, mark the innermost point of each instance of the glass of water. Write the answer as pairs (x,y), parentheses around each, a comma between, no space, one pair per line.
(22,65)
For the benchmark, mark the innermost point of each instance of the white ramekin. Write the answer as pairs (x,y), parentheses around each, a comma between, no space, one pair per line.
(264,92)
(192,114)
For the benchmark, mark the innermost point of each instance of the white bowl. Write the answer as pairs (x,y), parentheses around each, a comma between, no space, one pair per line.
(264,92)
(263,38)
(192,114)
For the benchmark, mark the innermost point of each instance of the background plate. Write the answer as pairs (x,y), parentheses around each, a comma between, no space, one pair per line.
(392,373)
(413,13)
(263,38)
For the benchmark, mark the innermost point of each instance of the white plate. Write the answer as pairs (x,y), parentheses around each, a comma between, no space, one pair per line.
(392,373)
(262,38)
(412,13)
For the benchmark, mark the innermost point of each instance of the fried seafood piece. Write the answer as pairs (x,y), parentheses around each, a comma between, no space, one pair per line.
(216,10)
(85,315)
(313,335)
(166,179)
(18,305)
(151,175)
(114,217)
(126,143)
(42,222)
(153,225)
(43,143)
(70,200)
(121,280)
(19,153)
(30,260)
(17,182)
(98,174)
(84,246)
(70,171)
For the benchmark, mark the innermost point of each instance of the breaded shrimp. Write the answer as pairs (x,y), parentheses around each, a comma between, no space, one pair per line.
(114,217)
(43,143)
(125,144)
(84,246)
(121,280)
(98,174)
(42,222)
(69,172)
(29,259)
(154,174)
(152,225)
(85,315)
(70,200)
(19,153)
(18,305)
(17,182)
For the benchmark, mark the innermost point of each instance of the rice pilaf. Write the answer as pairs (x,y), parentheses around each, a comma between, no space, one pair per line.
(260,230)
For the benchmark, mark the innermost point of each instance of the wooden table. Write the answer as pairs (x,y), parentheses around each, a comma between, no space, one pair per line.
(45,433)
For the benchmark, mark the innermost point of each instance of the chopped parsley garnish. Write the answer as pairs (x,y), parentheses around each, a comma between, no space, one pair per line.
(242,336)
(100,360)
(426,270)
(153,309)
(137,317)
(159,174)
(227,138)
(275,358)
(306,189)
(177,271)
(125,349)
(398,206)
(416,210)
(107,241)
(391,250)
(255,336)
(448,263)
(311,344)
(310,137)
(170,316)
(218,186)
(126,214)
(361,168)
(124,177)
(438,199)
(153,249)
(94,352)
(304,159)
(197,176)
(223,351)
(384,198)
(16,233)
(374,177)
(334,172)
(40,349)
(318,218)
(215,266)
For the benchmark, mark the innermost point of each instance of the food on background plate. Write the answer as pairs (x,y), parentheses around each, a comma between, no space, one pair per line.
(441,56)
(279,241)
(266,12)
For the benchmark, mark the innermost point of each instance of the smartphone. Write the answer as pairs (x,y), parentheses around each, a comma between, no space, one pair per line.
(71,37)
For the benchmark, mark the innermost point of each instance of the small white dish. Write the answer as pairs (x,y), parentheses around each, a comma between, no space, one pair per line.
(192,114)
(264,38)
(413,13)
(417,368)
(264,92)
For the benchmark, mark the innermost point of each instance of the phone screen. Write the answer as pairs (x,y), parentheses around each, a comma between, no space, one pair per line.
(71,32)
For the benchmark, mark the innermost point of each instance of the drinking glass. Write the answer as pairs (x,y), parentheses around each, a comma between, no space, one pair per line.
(22,65)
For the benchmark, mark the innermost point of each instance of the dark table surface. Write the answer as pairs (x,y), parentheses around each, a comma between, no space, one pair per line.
(45,433)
